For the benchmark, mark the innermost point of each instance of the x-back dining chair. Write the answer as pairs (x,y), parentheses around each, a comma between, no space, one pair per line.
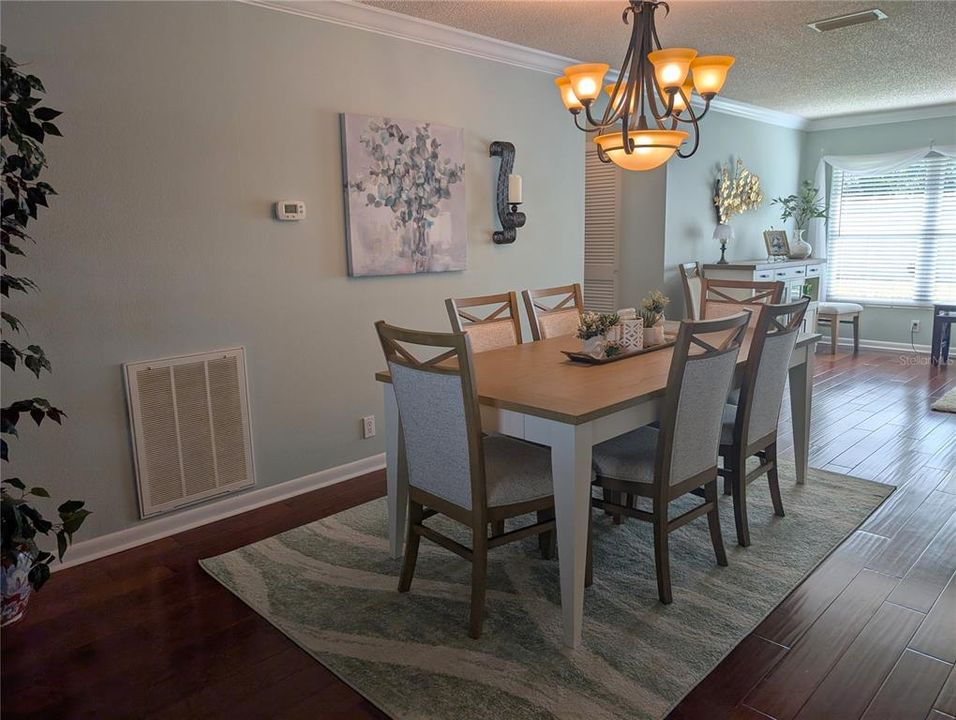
(679,456)
(750,426)
(719,298)
(499,326)
(560,316)
(692,278)
(451,468)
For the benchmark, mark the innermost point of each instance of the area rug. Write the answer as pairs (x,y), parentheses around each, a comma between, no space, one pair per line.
(947,403)
(331,587)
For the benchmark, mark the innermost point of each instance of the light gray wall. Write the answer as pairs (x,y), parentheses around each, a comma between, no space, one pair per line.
(183,123)
(641,254)
(770,151)
(880,322)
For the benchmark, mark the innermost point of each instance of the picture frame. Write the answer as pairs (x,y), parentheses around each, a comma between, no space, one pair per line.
(777,244)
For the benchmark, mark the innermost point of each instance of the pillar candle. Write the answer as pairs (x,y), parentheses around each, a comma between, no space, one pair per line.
(514,189)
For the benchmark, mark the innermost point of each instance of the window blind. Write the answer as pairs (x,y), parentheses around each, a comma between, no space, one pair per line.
(892,238)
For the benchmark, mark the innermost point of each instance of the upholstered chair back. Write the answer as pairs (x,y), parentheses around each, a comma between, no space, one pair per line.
(767,367)
(720,298)
(491,321)
(438,412)
(553,312)
(702,369)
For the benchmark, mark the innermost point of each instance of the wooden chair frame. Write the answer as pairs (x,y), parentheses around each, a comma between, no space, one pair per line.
(724,291)
(742,447)
(462,320)
(457,360)
(571,296)
(661,492)
(691,271)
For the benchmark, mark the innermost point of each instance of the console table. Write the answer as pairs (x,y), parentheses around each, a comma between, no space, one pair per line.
(800,277)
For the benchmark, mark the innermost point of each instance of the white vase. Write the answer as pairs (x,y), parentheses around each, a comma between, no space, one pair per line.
(654,335)
(15,586)
(593,346)
(800,248)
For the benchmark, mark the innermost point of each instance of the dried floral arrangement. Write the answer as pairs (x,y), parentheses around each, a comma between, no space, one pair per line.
(652,308)
(737,193)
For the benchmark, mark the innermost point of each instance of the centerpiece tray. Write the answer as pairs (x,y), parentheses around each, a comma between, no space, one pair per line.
(591,360)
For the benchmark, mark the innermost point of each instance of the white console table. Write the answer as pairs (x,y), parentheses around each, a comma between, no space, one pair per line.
(800,277)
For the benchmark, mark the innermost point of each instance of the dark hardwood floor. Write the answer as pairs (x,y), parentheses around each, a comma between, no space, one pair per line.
(870,633)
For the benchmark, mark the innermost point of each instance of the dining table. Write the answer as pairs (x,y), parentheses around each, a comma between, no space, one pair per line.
(532,391)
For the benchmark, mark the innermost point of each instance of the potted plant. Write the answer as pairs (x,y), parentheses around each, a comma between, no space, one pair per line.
(652,313)
(803,207)
(595,330)
(25,125)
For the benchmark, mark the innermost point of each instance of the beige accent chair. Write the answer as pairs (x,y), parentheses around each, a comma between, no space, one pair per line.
(451,468)
(833,314)
(692,277)
(558,317)
(499,327)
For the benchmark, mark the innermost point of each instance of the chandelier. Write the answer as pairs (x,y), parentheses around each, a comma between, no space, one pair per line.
(640,128)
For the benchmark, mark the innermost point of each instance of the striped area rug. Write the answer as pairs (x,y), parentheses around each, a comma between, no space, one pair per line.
(331,587)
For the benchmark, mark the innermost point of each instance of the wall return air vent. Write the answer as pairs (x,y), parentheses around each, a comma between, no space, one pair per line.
(842,21)
(189,418)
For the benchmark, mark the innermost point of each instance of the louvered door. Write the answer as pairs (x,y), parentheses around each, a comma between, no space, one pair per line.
(190,423)
(601,200)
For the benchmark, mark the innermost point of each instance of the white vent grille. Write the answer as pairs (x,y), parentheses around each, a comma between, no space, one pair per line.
(190,422)
(842,21)
(601,198)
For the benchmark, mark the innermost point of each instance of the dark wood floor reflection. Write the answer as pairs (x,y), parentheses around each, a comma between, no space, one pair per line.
(870,633)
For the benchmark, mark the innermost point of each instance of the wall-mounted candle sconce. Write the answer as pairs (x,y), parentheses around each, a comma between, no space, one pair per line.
(509,193)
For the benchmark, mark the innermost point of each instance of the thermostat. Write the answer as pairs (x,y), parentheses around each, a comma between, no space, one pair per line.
(290,210)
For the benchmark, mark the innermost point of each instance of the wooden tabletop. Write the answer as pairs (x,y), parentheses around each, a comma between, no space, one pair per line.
(535,378)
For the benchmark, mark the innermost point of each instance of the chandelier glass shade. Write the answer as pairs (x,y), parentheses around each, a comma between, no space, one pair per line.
(648,115)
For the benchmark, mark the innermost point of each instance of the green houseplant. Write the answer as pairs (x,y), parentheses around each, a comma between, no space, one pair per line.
(803,207)
(25,126)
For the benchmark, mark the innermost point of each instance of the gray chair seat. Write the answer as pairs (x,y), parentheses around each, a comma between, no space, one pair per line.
(630,456)
(515,471)
(727,424)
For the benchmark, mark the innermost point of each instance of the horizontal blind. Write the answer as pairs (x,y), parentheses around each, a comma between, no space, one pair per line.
(892,238)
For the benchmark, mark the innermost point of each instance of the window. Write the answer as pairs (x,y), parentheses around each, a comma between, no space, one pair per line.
(892,238)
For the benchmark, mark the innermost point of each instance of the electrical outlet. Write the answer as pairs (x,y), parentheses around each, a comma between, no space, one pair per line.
(368,426)
(914,327)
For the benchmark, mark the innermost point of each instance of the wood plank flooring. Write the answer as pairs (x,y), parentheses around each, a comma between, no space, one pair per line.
(869,634)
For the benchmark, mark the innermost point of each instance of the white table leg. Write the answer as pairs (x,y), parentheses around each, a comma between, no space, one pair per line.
(801,396)
(396,479)
(571,471)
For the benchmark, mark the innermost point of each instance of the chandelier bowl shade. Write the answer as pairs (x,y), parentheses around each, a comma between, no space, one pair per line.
(710,73)
(649,148)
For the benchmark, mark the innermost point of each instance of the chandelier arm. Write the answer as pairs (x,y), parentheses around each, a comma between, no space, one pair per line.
(696,141)
(613,114)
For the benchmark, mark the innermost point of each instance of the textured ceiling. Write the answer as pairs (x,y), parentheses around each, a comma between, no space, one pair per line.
(906,60)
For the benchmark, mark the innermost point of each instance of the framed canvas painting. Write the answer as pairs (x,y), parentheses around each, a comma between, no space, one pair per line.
(404,185)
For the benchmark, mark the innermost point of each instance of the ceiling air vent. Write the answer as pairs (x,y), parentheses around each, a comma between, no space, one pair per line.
(190,423)
(842,21)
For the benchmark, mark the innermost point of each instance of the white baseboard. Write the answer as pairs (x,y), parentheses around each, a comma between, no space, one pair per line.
(883,345)
(154,529)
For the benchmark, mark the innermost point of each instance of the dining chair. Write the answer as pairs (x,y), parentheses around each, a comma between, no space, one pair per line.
(749,427)
(692,277)
(499,326)
(560,316)
(678,456)
(719,298)
(451,468)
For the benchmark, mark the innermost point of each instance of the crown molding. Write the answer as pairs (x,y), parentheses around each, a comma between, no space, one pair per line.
(425,32)
(882,117)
